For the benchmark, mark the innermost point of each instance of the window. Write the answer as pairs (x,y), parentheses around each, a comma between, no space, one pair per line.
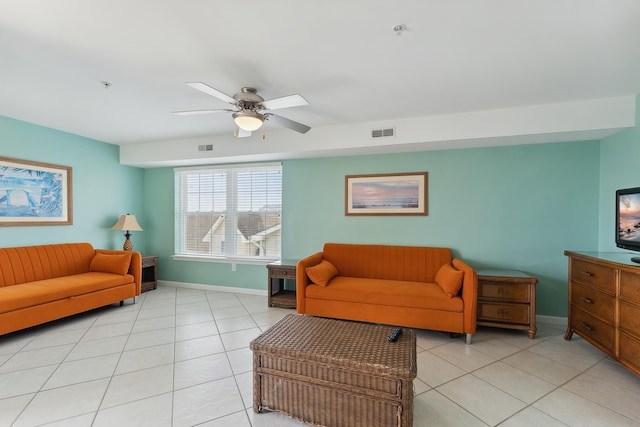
(229,211)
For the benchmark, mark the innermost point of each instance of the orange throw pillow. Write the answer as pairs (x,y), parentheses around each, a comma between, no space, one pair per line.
(450,280)
(322,273)
(111,263)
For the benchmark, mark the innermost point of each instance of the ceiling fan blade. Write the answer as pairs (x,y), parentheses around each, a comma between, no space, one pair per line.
(288,123)
(211,91)
(284,102)
(195,112)
(243,133)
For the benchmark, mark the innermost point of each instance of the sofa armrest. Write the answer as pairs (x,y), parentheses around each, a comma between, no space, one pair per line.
(135,268)
(469,293)
(302,280)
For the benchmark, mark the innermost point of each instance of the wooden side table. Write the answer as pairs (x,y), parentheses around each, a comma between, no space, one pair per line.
(280,271)
(149,272)
(507,299)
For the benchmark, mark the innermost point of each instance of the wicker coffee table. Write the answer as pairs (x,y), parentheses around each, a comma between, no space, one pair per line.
(330,372)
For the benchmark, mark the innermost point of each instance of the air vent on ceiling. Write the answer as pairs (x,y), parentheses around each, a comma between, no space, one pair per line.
(207,147)
(383,133)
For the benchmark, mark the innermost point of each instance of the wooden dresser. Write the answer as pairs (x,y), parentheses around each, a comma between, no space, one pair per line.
(604,304)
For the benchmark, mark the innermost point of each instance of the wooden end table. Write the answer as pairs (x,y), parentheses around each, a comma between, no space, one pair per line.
(279,272)
(507,299)
(149,272)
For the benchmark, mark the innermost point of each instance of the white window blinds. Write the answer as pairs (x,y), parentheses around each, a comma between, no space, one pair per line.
(229,211)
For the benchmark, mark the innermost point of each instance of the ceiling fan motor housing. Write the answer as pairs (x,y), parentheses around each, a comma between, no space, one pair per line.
(248,98)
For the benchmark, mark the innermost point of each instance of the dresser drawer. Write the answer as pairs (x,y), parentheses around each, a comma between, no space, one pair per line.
(592,328)
(592,301)
(516,292)
(593,274)
(629,350)
(630,286)
(508,313)
(629,318)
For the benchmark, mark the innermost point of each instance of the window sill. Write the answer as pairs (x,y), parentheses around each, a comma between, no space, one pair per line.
(223,260)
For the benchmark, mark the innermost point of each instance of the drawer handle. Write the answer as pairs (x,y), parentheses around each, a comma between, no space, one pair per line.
(588,273)
(587,327)
(503,291)
(502,312)
(587,300)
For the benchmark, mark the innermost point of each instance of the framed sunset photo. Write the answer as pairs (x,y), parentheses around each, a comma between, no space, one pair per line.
(386,194)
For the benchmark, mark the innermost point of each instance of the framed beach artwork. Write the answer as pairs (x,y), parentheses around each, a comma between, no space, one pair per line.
(386,194)
(33,193)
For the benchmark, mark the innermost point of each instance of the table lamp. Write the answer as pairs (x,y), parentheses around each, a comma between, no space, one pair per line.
(128,223)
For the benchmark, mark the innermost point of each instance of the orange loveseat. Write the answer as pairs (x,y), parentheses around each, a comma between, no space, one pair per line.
(411,286)
(43,283)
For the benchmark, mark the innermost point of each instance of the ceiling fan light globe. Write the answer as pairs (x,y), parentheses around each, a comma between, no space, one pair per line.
(248,121)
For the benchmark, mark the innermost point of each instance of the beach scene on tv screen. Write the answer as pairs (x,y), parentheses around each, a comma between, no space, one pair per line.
(629,226)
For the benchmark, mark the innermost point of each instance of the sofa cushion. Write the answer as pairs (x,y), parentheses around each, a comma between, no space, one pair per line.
(31,294)
(322,273)
(386,292)
(111,263)
(449,279)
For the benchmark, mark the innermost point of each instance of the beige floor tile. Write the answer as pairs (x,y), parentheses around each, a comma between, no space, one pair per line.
(196,330)
(495,405)
(435,371)
(433,409)
(83,370)
(138,385)
(201,370)
(542,367)
(574,410)
(152,411)
(46,405)
(464,356)
(206,402)
(531,417)
(517,383)
(198,347)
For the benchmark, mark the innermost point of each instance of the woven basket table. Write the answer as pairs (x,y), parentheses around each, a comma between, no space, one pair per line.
(335,373)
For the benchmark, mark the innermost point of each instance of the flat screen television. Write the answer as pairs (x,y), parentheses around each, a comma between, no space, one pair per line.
(628,220)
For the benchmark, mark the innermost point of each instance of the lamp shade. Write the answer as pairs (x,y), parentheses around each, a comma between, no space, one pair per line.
(248,120)
(127,222)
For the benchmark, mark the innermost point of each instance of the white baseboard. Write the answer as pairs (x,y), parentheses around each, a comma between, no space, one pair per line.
(203,287)
(552,320)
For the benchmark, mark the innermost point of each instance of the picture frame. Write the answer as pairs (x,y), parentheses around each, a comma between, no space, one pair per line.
(386,194)
(35,193)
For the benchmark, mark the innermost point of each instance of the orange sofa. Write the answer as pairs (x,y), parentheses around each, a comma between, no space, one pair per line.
(43,283)
(411,286)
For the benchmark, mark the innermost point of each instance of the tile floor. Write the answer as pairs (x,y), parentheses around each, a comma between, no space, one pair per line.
(180,357)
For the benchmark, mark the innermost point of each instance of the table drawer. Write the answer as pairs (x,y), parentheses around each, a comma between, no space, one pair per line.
(592,301)
(149,261)
(630,318)
(592,328)
(509,313)
(283,273)
(630,286)
(506,291)
(593,274)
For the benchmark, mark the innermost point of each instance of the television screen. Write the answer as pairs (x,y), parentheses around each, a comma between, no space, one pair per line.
(628,218)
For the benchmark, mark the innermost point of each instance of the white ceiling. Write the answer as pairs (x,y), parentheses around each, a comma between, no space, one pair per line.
(456,56)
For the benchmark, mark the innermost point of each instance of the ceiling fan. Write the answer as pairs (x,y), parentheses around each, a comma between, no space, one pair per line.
(250,109)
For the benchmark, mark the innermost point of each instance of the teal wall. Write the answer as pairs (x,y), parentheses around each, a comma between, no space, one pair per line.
(102,188)
(508,207)
(503,207)
(620,168)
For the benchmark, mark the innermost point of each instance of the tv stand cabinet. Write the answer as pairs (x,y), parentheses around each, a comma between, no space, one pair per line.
(604,304)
